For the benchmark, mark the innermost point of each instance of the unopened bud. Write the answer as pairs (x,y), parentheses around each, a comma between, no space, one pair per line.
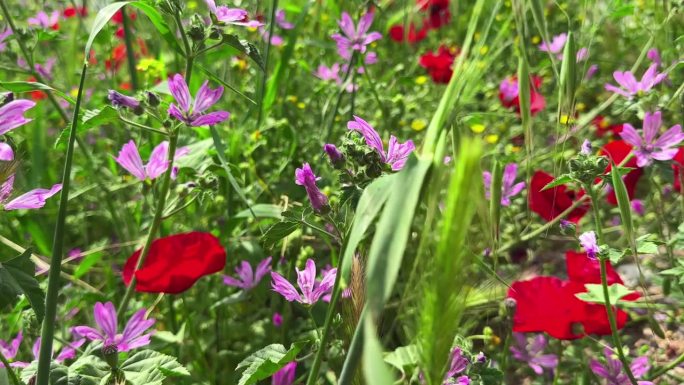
(110,353)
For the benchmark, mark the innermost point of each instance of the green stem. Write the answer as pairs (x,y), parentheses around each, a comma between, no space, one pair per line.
(267,52)
(156,221)
(343,89)
(130,55)
(617,342)
(143,127)
(10,371)
(667,368)
(47,334)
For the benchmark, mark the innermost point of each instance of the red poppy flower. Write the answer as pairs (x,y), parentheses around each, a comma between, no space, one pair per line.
(120,32)
(36,95)
(176,262)
(439,65)
(604,127)
(438,12)
(118,17)
(70,12)
(509,94)
(617,151)
(398,33)
(551,202)
(678,169)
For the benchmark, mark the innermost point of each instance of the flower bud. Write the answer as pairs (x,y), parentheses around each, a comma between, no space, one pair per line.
(335,156)
(119,100)
(110,353)
(567,227)
(152,99)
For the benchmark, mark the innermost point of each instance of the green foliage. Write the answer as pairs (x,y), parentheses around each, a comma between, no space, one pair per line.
(150,367)
(594,293)
(17,277)
(266,361)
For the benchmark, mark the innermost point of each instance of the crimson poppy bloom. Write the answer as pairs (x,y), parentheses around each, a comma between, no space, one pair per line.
(604,126)
(176,262)
(551,202)
(509,94)
(438,12)
(617,151)
(398,33)
(70,12)
(678,169)
(439,65)
(37,94)
(118,17)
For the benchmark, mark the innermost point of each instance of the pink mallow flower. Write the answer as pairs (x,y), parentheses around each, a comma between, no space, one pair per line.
(509,188)
(12,114)
(68,352)
(588,242)
(286,375)
(10,349)
(6,153)
(235,16)
(44,20)
(129,158)
(33,199)
(459,363)
(192,111)
(354,38)
(312,290)
(305,177)
(532,353)
(397,153)
(107,332)
(612,370)
(556,45)
(648,147)
(3,36)
(629,86)
(246,277)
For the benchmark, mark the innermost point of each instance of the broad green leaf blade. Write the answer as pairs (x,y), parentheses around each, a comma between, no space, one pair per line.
(392,232)
(623,202)
(594,293)
(245,47)
(403,357)
(17,276)
(568,76)
(375,370)
(495,199)
(101,20)
(159,23)
(371,202)
(262,210)
(59,374)
(265,362)
(148,366)
(563,179)
(34,86)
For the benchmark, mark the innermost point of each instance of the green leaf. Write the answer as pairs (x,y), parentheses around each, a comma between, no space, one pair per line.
(375,371)
(278,231)
(265,362)
(59,374)
(491,376)
(34,86)
(148,366)
(17,276)
(262,210)
(87,263)
(594,293)
(623,202)
(223,83)
(563,179)
(403,357)
(159,23)
(245,47)
(371,202)
(101,20)
(89,119)
(88,370)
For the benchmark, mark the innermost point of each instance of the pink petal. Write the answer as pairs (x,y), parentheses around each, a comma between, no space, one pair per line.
(129,159)
(33,199)
(158,163)
(105,317)
(180,92)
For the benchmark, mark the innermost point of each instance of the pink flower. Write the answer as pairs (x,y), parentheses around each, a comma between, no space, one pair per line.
(531,352)
(629,86)
(33,199)
(282,21)
(192,111)
(556,45)
(44,20)
(588,242)
(10,349)
(6,153)
(3,35)
(612,370)
(129,158)
(132,336)
(277,319)
(248,278)
(286,375)
(12,114)
(397,153)
(305,177)
(354,38)
(648,147)
(509,188)
(312,290)
(235,16)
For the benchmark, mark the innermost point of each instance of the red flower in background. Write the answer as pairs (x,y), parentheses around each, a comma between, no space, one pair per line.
(604,127)
(549,304)
(398,33)
(70,12)
(551,202)
(118,56)
(118,17)
(176,262)
(36,95)
(509,94)
(439,65)
(617,151)
(678,169)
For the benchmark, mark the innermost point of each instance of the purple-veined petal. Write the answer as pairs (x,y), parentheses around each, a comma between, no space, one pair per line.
(246,274)
(664,154)
(33,199)
(12,114)
(89,333)
(627,80)
(652,123)
(371,37)
(619,91)
(137,342)
(6,153)
(672,137)
(282,21)
(365,23)
(397,153)
(68,352)
(105,317)
(210,119)
(347,25)
(326,284)
(136,326)
(262,269)
(129,159)
(206,97)
(179,90)
(630,135)
(283,287)
(176,113)
(158,163)
(509,174)
(232,281)
(306,279)
(6,188)
(640,366)
(211,4)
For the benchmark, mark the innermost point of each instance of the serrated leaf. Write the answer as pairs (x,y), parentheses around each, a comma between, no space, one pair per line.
(88,370)
(17,276)
(35,86)
(148,366)
(59,374)
(89,119)
(245,47)
(277,232)
(563,179)
(594,293)
(265,362)
(403,357)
